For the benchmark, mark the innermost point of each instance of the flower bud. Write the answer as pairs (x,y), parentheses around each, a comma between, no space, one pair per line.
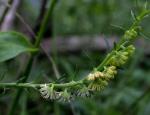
(83,92)
(109,72)
(130,49)
(48,92)
(64,96)
(95,75)
(119,58)
(98,85)
(130,34)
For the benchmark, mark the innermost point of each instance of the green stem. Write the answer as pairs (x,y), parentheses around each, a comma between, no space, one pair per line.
(37,44)
(139,18)
(123,41)
(63,85)
(45,22)
(19,85)
(73,83)
(31,85)
(19,91)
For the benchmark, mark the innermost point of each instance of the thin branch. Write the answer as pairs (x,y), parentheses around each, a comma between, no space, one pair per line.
(22,20)
(31,60)
(54,66)
(41,15)
(5,12)
(31,85)
(45,22)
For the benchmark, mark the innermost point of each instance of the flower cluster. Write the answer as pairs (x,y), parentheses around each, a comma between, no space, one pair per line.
(100,81)
(99,78)
(121,56)
(130,34)
(95,81)
(47,92)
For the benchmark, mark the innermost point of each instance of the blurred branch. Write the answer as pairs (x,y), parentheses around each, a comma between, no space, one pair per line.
(13,12)
(9,14)
(93,43)
(41,15)
(5,12)
(31,60)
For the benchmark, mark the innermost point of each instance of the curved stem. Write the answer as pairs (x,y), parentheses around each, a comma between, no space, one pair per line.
(72,83)
(123,41)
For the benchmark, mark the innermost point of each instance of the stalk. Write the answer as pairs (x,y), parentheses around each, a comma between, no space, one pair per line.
(31,60)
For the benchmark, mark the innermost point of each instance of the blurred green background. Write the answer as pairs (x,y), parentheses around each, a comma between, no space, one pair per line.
(127,94)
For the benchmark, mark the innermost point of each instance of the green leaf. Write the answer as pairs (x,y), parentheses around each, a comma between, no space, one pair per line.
(12,44)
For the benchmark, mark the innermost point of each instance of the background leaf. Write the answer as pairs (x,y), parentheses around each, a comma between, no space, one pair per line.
(12,44)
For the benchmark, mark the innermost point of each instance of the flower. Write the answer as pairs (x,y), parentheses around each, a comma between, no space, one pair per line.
(48,92)
(130,34)
(109,72)
(95,75)
(119,58)
(130,49)
(83,92)
(65,96)
(98,85)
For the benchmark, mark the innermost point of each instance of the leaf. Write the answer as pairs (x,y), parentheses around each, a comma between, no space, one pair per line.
(12,44)
(133,15)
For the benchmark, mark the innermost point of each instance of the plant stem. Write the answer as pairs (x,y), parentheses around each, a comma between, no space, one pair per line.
(31,85)
(19,91)
(73,83)
(122,41)
(45,22)
(19,85)
(31,60)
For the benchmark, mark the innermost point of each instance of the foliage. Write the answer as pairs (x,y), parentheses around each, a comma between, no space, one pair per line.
(74,90)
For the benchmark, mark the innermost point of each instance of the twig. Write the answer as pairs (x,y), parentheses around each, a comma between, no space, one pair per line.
(44,23)
(54,66)
(22,20)
(5,12)
(41,15)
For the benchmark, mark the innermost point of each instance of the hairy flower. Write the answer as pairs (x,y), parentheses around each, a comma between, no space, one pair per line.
(130,34)
(130,49)
(109,72)
(48,92)
(65,96)
(119,58)
(95,75)
(83,92)
(98,85)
